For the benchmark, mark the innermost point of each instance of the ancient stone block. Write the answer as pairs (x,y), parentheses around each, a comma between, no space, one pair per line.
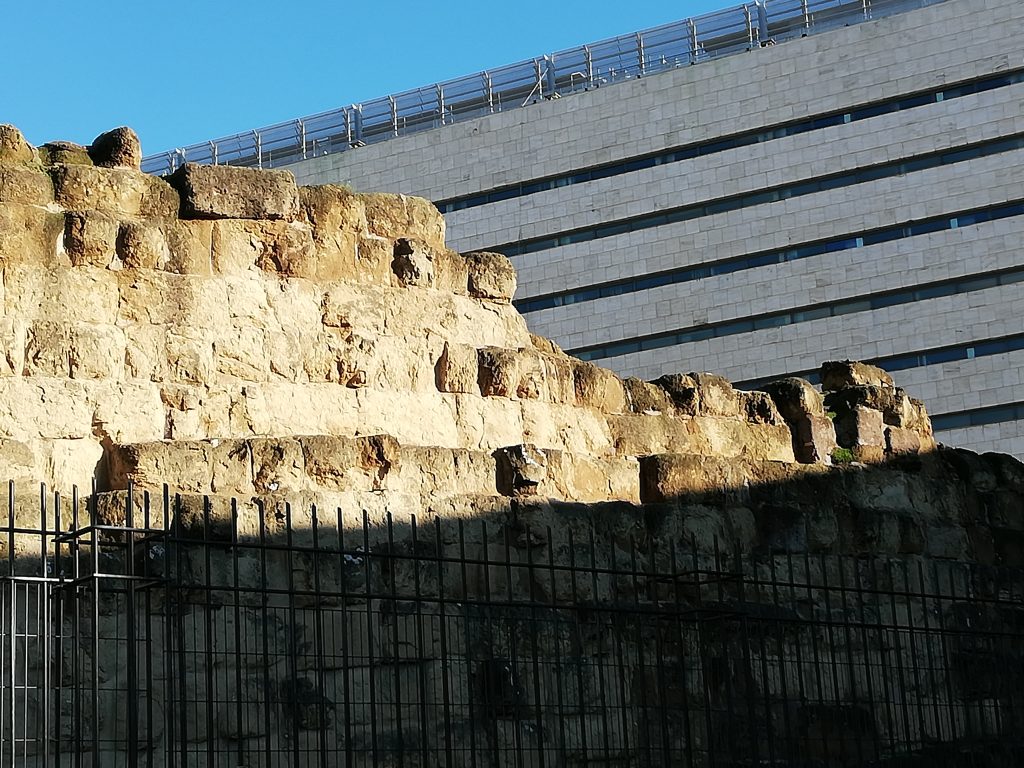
(839,374)
(683,391)
(802,407)
(280,247)
(141,245)
(499,372)
(901,441)
(117,191)
(521,470)
(692,478)
(491,276)
(716,396)
(814,439)
(90,238)
(795,398)
(64,153)
(759,408)
(457,369)
(859,428)
(191,247)
(598,388)
(229,192)
(30,235)
(186,466)
(647,398)
(14,150)
(78,352)
(413,264)
(119,148)
(25,186)
(394,216)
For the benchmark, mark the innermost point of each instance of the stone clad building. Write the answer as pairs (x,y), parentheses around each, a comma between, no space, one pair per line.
(852,193)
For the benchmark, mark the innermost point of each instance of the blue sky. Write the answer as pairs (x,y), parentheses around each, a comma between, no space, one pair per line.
(189,71)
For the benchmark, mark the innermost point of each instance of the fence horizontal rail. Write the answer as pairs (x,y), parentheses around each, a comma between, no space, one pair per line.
(690,41)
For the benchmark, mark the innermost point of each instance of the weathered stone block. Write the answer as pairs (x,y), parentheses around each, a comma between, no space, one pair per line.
(796,398)
(839,374)
(14,150)
(79,352)
(280,247)
(64,153)
(184,465)
(716,396)
(647,398)
(394,216)
(683,391)
(413,264)
(25,186)
(457,369)
(491,276)
(117,191)
(814,439)
(142,245)
(692,478)
(119,148)
(31,235)
(901,441)
(860,426)
(90,239)
(229,192)
(499,372)
(598,388)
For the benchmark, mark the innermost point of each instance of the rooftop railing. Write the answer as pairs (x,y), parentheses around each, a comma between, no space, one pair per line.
(682,43)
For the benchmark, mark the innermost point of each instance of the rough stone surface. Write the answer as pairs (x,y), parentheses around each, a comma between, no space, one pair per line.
(837,375)
(64,153)
(14,150)
(280,356)
(119,148)
(227,192)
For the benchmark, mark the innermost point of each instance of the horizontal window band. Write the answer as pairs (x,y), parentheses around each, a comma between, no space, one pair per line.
(778,193)
(863,303)
(733,141)
(907,360)
(978,417)
(703,271)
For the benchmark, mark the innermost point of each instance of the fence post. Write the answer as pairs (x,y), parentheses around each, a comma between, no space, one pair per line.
(357,125)
(693,40)
(488,90)
(301,125)
(641,64)
(394,115)
(440,102)
(259,149)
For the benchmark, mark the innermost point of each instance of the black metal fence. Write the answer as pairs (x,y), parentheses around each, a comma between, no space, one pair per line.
(184,631)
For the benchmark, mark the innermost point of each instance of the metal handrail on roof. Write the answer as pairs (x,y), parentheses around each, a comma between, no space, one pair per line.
(639,54)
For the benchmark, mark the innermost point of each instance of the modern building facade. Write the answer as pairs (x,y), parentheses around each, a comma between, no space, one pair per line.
(854,193)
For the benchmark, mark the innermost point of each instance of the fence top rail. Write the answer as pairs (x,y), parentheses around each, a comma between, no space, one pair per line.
(725,32)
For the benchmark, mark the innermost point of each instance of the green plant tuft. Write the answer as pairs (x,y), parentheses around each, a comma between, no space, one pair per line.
(842,456)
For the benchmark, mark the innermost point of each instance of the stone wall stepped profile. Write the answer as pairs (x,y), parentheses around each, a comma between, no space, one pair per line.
(289,390)
(227,333)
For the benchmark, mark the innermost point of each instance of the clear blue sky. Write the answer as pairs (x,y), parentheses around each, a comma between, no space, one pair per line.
(189,71)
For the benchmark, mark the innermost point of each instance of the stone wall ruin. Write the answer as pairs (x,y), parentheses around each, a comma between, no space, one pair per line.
(257,347)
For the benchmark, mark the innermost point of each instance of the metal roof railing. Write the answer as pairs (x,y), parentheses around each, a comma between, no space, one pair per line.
(681,43)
